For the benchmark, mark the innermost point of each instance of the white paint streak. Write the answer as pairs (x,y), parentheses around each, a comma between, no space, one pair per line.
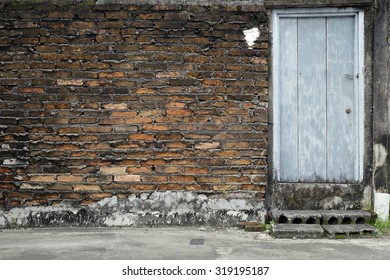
(380,155)
(251,36)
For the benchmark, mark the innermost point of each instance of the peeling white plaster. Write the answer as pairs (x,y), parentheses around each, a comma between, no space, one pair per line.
(380,155)
(251,36)
(108,201)
(11,161)
(145,209)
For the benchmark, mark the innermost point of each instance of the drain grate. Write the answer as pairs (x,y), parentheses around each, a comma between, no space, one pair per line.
(197,242)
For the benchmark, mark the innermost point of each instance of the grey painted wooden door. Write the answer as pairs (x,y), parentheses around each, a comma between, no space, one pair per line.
(318,110)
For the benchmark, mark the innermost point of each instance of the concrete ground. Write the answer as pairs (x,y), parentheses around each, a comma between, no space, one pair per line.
(178,243)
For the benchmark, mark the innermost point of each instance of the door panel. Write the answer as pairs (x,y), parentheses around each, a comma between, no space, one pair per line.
(311,99)
(288,104)
(342,110)
(317,99)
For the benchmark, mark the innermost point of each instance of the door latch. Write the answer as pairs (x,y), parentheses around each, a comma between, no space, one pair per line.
(348,76)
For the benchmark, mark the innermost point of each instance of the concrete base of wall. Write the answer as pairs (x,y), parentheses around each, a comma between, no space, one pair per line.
(143,210)
(320,196)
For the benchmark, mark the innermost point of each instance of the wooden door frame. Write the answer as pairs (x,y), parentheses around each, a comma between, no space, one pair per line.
(359,83)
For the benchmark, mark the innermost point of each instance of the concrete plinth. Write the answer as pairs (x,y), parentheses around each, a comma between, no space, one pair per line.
(350,231)
(297,231)
(335,217)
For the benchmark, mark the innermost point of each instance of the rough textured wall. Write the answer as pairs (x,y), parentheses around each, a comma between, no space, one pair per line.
(102,101)
(381,88)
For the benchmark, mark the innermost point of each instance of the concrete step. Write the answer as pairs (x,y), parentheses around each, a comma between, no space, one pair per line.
(296,216)
(295,231)
(331,217)
(350,231)
(337,217)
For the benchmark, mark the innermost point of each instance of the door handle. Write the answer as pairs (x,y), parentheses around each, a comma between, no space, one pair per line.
(349,76)
(348,111)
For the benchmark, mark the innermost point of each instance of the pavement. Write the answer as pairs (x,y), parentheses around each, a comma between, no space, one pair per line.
(179,243)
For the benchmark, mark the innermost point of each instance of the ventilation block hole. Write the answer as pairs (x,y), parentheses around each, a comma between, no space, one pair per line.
(360,221)
(368,232)
(297,221)
(354,235)
(333,221)
(282,219)
(311,221)
(346,221)
(339,235)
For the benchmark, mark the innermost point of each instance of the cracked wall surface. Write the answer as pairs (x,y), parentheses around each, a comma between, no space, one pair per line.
(144,209)
(381,108)
(112,100)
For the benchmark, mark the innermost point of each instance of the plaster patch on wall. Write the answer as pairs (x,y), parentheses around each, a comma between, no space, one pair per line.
(251,36)
(146,209)
(380,155)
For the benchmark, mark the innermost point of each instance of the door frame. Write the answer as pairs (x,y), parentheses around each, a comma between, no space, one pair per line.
(359,83)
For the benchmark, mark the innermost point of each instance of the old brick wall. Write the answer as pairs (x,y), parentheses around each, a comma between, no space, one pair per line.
(117,100)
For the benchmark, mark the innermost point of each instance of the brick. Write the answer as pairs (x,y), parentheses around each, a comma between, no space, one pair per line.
(72,82)
(168,169)
(196,170)
(172,74)
(210,83)
(96,65)
(74,196)
(111,121)
(141,137)
(206,146)
(99,196)
(86,188)
(69,178)
(113,169)
(179,112)
(98,146)
(63,15)
(127,178)
(182,179)
(141,169)
(115,106)
(70,131)
(112,75)
(31,90)
(124,114)
(43,178)
(145,91)
(155,127)
(82,25)
(138,120)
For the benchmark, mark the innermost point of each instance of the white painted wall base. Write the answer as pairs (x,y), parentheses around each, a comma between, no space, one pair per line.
(381,205)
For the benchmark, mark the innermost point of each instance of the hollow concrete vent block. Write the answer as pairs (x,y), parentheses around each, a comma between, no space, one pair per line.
(350,231)
(296,217)
(347,217)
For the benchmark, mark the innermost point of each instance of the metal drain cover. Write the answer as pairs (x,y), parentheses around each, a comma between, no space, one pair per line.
(197,242)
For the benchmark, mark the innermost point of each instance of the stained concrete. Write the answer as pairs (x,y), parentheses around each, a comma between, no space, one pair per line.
(345,217)
(156,209)
(297,231)
(296,216)
(174,243)
(350,231)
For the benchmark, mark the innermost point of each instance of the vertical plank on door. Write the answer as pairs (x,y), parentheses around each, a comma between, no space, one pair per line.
(342,129)
(288,108)
(312,99)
